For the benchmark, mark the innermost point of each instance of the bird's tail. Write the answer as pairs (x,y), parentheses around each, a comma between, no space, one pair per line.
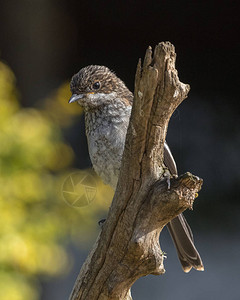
(183,239)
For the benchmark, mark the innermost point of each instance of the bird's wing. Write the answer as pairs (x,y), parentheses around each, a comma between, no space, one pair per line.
(180,230)
(169,160)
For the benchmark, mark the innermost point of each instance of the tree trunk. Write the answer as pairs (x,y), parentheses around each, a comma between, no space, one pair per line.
(128,245)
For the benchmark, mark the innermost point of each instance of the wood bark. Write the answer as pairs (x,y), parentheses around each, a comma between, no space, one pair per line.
(128,244)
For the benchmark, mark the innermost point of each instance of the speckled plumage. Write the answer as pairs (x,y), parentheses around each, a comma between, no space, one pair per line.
(106,131)
(107,103)
(107,113)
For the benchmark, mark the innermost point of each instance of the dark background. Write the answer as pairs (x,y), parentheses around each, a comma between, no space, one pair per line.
(46,42)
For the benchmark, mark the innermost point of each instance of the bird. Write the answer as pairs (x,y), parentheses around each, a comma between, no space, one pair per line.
(107,104)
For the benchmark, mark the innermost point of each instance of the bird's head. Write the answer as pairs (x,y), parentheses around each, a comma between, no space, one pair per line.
(95,86)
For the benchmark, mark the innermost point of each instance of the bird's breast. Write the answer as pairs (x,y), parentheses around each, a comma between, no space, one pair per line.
(106,139)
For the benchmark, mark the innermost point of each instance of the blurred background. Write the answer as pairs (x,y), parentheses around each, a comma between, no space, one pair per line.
(45,231)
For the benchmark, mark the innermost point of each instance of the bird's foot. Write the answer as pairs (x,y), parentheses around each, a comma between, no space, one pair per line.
(168,178)
(101,222)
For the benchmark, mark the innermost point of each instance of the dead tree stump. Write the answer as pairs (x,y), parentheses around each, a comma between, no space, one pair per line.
(128,245)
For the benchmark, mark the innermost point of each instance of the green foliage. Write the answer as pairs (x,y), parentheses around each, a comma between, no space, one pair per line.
(35,221)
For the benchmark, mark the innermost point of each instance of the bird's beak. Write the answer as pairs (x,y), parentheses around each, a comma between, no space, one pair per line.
(75,97)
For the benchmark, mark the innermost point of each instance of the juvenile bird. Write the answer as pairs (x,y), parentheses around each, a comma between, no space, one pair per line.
(107,104)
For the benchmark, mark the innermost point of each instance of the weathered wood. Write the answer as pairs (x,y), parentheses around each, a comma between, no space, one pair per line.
(128,245)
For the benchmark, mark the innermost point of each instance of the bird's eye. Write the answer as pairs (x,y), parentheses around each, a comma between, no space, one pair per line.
(96,85)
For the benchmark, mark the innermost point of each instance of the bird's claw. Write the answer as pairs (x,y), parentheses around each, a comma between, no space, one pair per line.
(168,183)
(101,222)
